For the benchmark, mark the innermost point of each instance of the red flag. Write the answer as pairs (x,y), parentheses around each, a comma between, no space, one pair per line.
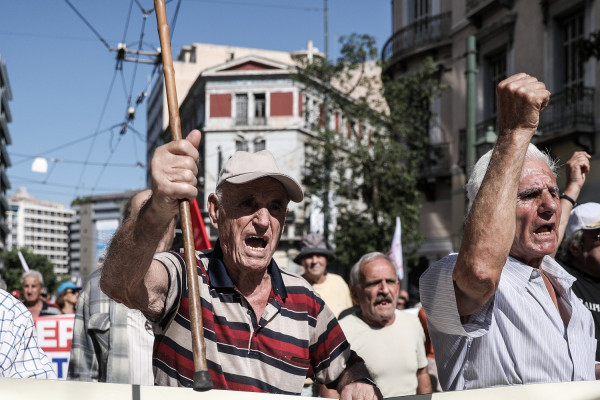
(201,240)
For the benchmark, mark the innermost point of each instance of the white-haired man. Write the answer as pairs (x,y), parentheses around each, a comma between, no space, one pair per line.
(32,283)
(501,311)
(391,341)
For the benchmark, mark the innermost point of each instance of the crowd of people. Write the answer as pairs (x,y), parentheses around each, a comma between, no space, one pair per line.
(509,308)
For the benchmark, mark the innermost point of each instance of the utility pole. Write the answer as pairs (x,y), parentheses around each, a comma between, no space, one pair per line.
(471,74)
(328,155)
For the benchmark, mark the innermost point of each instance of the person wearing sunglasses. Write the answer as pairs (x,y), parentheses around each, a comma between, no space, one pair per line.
(67,296)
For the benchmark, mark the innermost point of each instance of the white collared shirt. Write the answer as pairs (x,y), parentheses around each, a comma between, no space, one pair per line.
(517,337)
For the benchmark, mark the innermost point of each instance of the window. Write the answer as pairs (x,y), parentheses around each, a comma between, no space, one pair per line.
(572,32)
(420,13)
(259,109)
(241,145)
(421,9)
(241,109)
(259,144)
(495,73)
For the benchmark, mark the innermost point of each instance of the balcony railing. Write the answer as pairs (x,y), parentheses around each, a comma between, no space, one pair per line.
(422,33)
(570,108)
(475,4)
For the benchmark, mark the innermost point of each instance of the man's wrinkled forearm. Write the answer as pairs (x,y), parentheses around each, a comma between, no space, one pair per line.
(128,259)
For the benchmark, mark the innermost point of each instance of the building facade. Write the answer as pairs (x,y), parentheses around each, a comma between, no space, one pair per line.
(5,140)
(510,36)
(40,226)
(246,99)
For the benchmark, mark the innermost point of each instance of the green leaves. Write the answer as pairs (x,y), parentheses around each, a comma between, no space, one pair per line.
(372,162)
(12,271)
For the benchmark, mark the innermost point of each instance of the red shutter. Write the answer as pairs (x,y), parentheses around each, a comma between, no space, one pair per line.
(282,104)
(220,105)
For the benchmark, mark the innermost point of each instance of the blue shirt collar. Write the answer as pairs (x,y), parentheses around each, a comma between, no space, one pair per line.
(219,277)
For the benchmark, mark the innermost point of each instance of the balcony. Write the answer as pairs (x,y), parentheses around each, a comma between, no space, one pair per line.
(427,33)
(476,9)
(570,111)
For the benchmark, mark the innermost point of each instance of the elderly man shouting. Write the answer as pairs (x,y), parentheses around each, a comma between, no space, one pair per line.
(501,311)
(265,329)
(391,341)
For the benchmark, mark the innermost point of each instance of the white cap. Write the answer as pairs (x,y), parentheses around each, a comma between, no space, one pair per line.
(585,216)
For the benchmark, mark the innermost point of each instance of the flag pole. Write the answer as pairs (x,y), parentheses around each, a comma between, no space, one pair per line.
(202,380)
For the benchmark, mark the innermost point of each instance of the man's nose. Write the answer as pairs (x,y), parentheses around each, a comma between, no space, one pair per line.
(384,287)
(261,217)
(549,202)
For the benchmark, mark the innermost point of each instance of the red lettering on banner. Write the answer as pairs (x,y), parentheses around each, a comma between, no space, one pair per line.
(55,333)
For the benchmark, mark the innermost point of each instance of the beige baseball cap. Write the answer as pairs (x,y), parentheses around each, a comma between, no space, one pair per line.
(245,167)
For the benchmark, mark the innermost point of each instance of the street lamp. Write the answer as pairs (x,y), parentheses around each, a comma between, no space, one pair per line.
(485,142)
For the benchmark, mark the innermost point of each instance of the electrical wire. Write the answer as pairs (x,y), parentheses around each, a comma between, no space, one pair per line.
(85,21)
(29,157)
(97,129)
(127,22)
(264,5)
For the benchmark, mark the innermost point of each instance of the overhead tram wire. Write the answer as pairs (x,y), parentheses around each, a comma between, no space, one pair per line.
(121,56)
(102,113)
(263,5)
(126,125)
(79,162)
(85,21)
(63,146)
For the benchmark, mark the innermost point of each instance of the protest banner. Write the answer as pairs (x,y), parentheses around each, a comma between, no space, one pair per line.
(55,334)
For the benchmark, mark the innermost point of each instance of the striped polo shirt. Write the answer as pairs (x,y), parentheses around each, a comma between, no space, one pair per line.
(297,335)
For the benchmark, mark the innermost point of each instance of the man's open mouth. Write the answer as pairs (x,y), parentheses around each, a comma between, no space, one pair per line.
(256,243)
(545,229)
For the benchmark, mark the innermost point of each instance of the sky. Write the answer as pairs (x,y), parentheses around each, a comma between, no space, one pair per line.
(70,98)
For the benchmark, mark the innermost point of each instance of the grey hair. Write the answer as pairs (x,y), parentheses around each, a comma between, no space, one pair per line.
(32,272)
(481,166)
(219,192)
(365,259)
(575,239)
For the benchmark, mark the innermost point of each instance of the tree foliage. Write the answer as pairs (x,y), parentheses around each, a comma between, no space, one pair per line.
(373,171)
(12,271)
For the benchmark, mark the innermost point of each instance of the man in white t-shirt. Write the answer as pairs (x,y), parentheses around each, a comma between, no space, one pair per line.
(389,340)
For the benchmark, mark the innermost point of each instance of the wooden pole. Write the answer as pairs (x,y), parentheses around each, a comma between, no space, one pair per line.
(202,380)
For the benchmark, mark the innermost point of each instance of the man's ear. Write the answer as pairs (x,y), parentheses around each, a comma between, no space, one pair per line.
(354,295)
(214,210)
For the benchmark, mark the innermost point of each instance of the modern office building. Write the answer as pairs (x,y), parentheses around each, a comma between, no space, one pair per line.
(536,37)
(40,226)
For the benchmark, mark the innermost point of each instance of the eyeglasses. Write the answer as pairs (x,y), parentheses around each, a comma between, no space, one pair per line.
(595,235)
(71,291)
